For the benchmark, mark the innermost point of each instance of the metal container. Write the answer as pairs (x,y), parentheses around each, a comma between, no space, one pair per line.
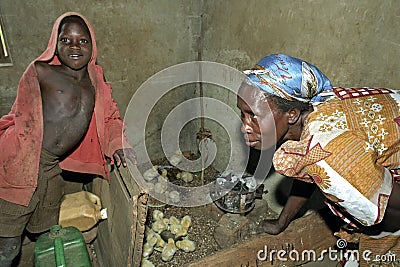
(235,193)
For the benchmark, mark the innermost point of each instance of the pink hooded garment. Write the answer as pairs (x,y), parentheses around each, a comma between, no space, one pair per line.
(21,131)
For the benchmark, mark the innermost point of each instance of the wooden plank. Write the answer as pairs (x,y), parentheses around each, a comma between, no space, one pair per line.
(138,229)
(139,213)
(121,220)
(108,250)
(120,237)
(306,233)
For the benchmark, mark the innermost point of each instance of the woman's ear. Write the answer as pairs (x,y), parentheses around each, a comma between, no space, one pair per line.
(293,115)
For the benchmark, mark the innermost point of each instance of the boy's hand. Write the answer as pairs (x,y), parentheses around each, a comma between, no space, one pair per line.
(121,155)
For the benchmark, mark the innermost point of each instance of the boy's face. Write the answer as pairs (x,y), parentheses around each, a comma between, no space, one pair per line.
(74,45)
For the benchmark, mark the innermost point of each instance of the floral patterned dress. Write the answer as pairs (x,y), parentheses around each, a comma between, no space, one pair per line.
(350,149)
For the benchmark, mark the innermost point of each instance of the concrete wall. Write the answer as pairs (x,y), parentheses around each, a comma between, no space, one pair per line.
(135,39)
(355,42)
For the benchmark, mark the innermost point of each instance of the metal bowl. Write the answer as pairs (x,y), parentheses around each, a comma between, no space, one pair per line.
(235,193)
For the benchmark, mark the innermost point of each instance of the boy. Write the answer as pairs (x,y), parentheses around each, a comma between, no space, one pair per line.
(64,117)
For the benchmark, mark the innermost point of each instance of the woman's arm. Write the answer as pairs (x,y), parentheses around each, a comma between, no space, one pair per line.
(299,195)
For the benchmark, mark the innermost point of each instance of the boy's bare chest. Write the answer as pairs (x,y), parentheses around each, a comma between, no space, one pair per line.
(67,110)
(64,97)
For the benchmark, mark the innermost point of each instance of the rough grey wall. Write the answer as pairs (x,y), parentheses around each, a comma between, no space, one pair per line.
(355,42)
(135,39)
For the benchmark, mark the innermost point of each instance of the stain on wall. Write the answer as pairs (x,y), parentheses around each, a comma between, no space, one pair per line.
(135,39)
(355,43)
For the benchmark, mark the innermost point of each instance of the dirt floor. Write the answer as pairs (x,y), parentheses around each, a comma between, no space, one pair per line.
(205,224)
(206,231)
(201,224)
(205,243)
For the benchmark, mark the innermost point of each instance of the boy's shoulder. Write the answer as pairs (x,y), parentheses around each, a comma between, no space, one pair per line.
(41,65)
(43,69)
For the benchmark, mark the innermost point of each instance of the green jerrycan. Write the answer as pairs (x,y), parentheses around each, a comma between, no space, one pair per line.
(61,247)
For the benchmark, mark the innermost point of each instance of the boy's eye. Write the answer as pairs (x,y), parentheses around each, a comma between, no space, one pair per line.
(84,41)
(64,40)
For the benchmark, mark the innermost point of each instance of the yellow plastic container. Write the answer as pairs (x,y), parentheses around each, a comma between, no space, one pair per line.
(81,210)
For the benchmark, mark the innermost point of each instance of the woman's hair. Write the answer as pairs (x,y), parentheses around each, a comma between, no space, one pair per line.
(285,105)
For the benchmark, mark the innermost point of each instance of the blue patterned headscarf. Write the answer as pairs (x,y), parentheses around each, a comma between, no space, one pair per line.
(290,78)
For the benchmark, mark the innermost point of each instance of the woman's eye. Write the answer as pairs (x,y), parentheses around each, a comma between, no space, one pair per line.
(254,117)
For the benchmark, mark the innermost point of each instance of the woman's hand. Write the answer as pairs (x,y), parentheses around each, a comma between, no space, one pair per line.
(299,195)
(271,227)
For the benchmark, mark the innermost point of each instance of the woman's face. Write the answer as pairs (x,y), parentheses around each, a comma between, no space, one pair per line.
(263,124)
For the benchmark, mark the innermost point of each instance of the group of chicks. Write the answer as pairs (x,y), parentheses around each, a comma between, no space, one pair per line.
(157,178)
(166,235)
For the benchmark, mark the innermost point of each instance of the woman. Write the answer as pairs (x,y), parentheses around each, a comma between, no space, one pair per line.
(343,140)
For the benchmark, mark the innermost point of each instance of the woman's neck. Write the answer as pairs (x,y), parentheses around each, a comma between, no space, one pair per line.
(297,128)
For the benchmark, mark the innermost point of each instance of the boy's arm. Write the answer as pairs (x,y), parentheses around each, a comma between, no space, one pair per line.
(115,137)
(113,127)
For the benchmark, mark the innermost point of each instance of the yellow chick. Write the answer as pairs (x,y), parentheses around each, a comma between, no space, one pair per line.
(157,215)
(186,245)
(173,220)
(149,186)
(186,221)
(152,241)
(150,235)
(148,231)
(159,226)
(162,179)
(178,230)
(169,250)
(160,243)
(160,187)
(147,249)
(187,177)
(174,196)
(164,173)
(147,263)
(176,158)
(151,173)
